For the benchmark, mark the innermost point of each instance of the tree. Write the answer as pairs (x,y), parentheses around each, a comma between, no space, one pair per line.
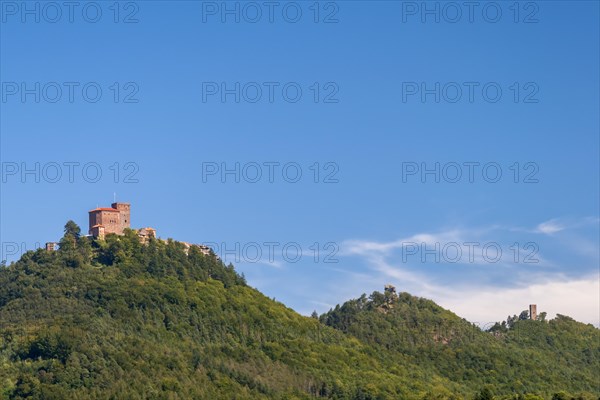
(26,386)
(70,243)
(72,229)
(542,316)
(510,321)
(377,298)
(71,236)
(314,315)
(524,315)
(484,394)
(560,395)
(498,327)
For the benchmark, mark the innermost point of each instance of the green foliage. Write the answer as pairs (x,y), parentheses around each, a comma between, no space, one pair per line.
(118,319)
(524,315)
(516,356)
(560,396)
(72,230)
(485,394)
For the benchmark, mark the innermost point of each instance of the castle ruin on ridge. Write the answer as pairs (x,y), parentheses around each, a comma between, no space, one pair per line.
(533,312)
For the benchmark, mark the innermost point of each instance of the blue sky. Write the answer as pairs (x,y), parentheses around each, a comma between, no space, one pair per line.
(369,96)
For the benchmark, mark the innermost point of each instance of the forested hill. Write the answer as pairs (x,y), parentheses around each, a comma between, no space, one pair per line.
(516,356)
(118,319)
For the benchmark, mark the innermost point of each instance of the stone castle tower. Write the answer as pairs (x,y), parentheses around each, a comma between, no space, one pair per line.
(533,312)
(105,220)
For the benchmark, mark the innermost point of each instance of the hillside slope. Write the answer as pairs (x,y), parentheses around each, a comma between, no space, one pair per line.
(118,319)
(532,356)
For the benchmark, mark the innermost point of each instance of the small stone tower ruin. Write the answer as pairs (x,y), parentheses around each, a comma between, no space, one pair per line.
(391,289)
(51,246)
(533,312)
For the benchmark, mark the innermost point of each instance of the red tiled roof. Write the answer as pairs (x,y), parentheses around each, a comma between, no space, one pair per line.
(104,209)
(98,226)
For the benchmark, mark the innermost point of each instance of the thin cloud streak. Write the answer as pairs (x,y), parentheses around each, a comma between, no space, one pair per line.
(578,297)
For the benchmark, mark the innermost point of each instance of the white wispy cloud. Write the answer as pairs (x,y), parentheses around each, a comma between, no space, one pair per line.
(549,227)
(556,225)
(578,297)
(467,245)
(265,263)
(368,247)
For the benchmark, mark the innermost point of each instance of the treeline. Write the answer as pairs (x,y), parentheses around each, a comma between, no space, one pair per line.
(120,319)
(542,357)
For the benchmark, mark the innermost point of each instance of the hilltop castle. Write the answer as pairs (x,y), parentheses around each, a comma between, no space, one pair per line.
(117,218)
(105,220)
